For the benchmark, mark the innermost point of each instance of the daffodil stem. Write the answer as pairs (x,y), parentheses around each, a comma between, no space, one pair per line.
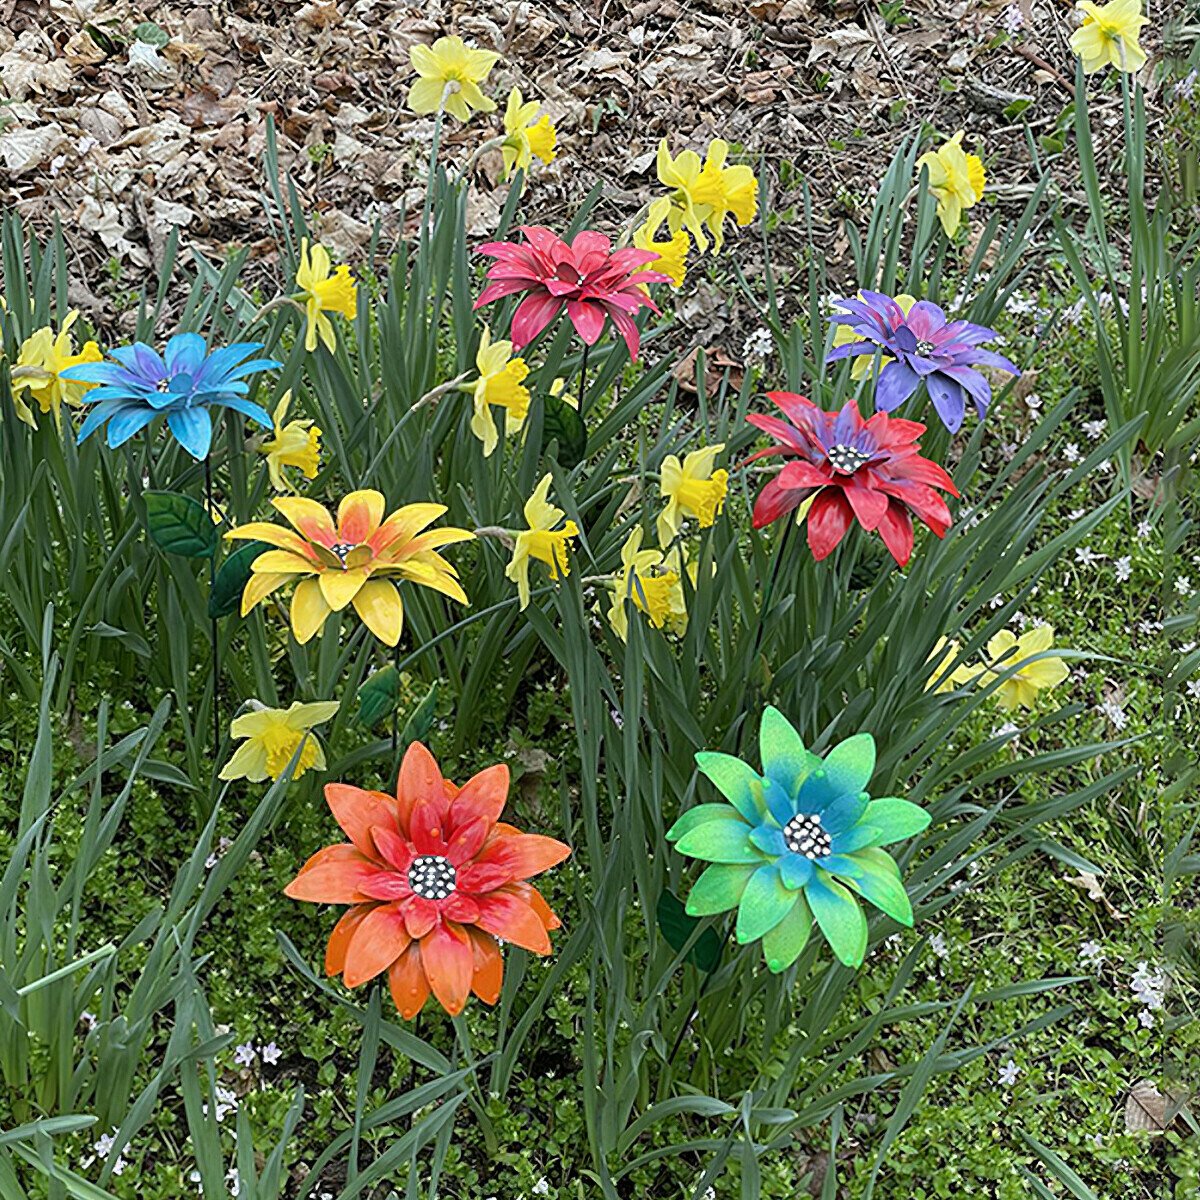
(216,661)
(273,306)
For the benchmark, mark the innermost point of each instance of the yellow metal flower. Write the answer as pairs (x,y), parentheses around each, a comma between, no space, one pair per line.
(1109,36)
(955,178)
(43,356)
(293,444)
(272,737)
(500,383)
(704,194)
(322,291)
(691,489)
(543,540)
(942,655)
(648,580)
(672,254)
(1006,651)
(864,364)
(450,74)
(526,134)
(360,560)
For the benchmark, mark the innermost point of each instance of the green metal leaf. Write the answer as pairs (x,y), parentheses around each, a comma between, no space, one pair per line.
(180,525)
(378,696)
(677,927)
(232,576)
(420,720)
(562,424)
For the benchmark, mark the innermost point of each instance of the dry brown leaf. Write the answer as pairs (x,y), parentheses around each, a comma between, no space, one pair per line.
(1091,884)
(1147,1110)
(24,148)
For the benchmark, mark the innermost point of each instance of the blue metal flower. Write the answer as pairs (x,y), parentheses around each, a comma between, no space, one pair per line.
(920,346)
(182,384)
(796,842)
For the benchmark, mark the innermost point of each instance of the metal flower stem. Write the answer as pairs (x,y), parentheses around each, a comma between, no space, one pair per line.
(212,576)
(583,380)
(396,705)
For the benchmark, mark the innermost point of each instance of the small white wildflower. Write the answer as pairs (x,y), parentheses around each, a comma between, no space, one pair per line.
(1086,556)
(1183,585)
(1095,429)
(88,1020)
(233,1181)
(1146,1016)
(1033,401)
(1091,954)
(758,345)
(118,1167)
(271,1053)
(1144,529)
(937,944)
(1123,568)
(1193,688)
(1104,466)
(542,1187)
(245,1054)
(1008,1073)
(1071,452)
(1149,985)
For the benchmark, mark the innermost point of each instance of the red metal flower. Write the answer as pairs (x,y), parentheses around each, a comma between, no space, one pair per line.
(870,471)
(586,275)
(435,878)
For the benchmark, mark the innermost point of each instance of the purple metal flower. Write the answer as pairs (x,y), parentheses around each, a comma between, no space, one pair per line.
(924,348)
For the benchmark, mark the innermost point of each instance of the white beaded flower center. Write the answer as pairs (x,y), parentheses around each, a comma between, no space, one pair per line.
(341,549)
(925,348)
(846,459)
(805,835)
(432,876)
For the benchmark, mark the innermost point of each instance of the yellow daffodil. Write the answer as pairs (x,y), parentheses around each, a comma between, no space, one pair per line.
(649,581)
(864,364)
(450,74)
(43,356)
(691,488)
(672,255)
(945,652)
(1006,651)
(526,134)
(1109,36)
(499,383)
(293,444)
(704,194)
(323,292)
(955,178)
(543,540)
(360,560)
(272,736)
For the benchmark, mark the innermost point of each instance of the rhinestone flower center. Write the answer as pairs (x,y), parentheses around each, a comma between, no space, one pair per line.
(341,549)
(805,835)
(163,385)
(925,347)
(846,459)
(432,876)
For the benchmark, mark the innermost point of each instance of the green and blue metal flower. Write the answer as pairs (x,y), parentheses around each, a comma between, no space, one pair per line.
(797,843)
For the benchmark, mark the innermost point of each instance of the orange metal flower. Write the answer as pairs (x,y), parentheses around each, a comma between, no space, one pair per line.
(434,878)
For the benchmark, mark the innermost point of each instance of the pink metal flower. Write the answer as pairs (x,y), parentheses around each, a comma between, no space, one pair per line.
(586,275)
